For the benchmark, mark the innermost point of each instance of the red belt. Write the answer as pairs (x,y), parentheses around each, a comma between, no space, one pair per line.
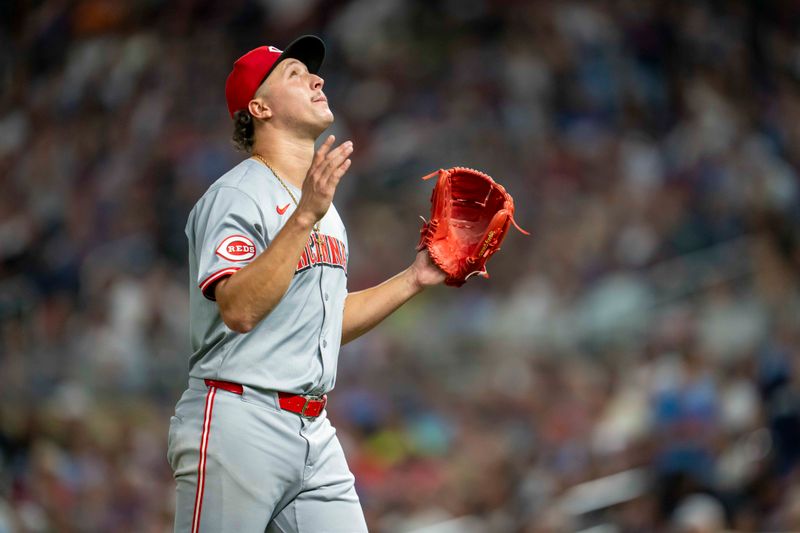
(308,406)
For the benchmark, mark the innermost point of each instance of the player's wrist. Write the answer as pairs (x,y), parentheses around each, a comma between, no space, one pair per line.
(304,219)
(413,280)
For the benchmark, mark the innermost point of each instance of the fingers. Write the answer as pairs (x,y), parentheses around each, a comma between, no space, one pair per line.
(328,167)
(339,171)
(338,156)
(324,154)
(334,160)
(323,150)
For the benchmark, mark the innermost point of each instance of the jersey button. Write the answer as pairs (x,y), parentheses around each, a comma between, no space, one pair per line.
(324,343)
(326,296)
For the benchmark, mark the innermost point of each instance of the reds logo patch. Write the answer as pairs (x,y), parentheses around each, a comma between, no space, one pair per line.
(236,248)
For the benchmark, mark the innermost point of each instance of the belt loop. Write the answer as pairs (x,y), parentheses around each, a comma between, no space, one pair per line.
(225,385)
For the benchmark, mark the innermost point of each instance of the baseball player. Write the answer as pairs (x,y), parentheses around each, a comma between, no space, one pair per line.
(250,445)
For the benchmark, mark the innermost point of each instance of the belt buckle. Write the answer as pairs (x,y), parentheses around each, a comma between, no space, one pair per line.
(308,399)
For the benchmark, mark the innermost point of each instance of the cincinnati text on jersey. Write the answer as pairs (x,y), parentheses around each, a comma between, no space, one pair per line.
(331,253)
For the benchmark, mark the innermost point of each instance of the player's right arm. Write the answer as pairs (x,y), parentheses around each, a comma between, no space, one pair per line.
(251,293)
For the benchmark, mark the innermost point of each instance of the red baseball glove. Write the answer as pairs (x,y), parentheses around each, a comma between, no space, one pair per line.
(470,216)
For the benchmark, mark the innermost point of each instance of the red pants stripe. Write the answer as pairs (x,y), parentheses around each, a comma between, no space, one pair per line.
(201,466)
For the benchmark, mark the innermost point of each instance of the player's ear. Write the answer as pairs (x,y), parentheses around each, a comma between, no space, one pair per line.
(259,108)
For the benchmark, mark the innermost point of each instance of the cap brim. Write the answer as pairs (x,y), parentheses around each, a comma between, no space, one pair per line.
(309,49)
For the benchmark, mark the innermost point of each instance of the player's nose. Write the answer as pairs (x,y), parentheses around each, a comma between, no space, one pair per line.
(316,82)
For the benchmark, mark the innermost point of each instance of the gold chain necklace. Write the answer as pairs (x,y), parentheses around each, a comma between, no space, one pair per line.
(316,229)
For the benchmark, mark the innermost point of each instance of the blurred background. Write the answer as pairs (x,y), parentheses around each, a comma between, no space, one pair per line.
(631,367)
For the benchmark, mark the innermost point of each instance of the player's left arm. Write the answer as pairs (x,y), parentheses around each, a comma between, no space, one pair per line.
(363,310)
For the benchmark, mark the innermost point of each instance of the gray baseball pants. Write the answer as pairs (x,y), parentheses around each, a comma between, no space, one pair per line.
(242,464)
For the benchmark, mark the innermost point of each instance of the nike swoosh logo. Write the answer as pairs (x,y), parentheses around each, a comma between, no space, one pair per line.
(281,210)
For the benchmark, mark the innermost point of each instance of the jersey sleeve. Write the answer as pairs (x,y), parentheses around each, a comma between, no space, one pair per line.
(229,235)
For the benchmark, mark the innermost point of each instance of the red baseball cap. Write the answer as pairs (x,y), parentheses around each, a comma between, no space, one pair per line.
(250,70)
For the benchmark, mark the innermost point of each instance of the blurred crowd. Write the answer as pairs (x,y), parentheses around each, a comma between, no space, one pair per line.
(631,367)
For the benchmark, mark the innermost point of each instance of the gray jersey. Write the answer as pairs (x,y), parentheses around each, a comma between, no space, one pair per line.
(295,347)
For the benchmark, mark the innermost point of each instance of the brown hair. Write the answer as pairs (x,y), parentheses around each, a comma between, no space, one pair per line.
(243,130)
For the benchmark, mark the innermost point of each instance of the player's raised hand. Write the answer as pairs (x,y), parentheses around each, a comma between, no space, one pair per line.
(327,168)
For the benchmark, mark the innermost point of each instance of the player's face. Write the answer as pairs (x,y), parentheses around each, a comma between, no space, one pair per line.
(296,98)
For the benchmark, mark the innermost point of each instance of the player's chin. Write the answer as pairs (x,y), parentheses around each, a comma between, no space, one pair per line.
(324,120)
(327,117)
